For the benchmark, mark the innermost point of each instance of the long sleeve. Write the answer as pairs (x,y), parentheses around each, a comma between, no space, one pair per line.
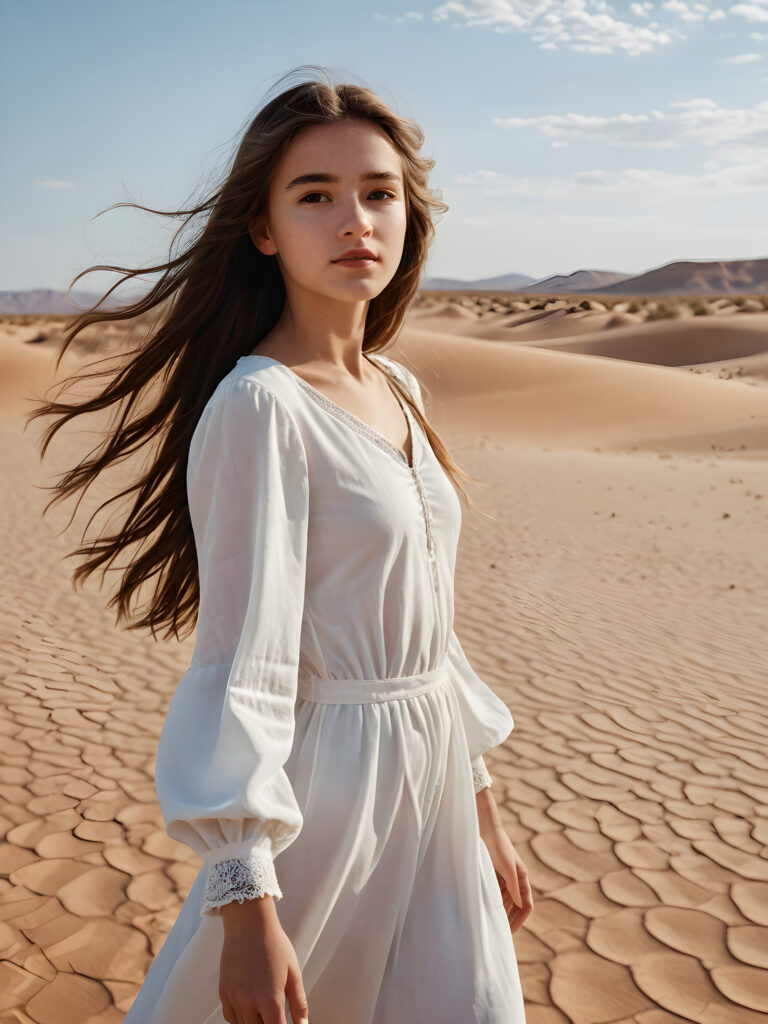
(487,719)
(229,729)
(481,777)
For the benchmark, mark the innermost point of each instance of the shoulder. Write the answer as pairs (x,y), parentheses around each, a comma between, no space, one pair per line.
(254,381)
(406,377)
(250,405)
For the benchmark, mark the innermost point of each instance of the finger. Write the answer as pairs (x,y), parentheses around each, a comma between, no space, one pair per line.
(513,885)
(519,916)
(234,1014)
(297,999)
(274,1013)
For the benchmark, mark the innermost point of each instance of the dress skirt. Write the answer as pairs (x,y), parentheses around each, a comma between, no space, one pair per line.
(390,896)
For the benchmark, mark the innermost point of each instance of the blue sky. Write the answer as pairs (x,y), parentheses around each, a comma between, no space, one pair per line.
(568,134)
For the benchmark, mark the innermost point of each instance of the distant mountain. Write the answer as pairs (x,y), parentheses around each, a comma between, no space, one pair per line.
(681,277)
(579,281)
(505,283)
(691,277)
(46,300)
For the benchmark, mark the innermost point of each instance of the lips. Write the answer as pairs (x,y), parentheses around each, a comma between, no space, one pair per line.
(355,254)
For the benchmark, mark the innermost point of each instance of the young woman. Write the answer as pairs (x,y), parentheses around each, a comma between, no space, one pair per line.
(323,754)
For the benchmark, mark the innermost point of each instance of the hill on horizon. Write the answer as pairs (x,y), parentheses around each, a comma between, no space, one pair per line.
(49,300)
(686,277)
(681,277)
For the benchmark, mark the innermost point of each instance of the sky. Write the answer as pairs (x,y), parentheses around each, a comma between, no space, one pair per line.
(567,134)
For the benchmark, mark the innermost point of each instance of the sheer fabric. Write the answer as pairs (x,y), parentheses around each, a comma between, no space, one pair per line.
(326,743)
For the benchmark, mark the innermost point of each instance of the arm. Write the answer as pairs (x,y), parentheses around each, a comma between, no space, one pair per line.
(229,729)
(487,812)
(486,718)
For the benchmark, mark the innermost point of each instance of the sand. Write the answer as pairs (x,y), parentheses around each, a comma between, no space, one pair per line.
(613,594)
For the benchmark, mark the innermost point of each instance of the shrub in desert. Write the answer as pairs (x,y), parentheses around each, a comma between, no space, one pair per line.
(663,311)
(700,309)
(633,307)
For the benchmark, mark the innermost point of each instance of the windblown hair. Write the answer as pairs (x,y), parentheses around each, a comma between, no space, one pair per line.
(216,298)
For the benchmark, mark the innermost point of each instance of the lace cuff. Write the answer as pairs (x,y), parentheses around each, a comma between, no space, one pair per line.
(245,877)
(480,775)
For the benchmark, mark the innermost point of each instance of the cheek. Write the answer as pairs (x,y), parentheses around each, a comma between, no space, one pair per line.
(301,233)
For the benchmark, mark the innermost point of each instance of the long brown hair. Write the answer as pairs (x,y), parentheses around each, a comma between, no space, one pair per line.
(215,300)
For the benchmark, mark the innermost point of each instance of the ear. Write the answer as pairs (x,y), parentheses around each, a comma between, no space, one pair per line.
(261,237)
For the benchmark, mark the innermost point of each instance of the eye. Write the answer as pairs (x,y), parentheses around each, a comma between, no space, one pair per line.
(378,191)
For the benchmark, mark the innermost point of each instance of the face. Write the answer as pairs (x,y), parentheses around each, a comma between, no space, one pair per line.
(322,204)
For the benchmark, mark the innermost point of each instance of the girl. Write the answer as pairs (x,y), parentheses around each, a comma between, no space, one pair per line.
(323,752)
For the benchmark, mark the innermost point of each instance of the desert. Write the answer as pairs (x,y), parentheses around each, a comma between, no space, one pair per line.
(611,587)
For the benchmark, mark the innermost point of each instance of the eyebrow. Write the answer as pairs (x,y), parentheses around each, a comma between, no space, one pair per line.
(320,176)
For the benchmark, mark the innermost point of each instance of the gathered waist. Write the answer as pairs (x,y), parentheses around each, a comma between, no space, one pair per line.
(321,690)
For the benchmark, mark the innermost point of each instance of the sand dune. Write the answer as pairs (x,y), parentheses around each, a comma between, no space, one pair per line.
(615,600)
(529,396)
(669,343)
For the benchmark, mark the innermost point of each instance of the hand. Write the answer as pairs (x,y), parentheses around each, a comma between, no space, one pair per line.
(512,876)
(259,966)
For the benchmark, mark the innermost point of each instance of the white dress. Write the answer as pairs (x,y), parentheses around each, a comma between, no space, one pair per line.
(325,744)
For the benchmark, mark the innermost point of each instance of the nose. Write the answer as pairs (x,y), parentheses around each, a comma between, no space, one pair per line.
(354,219)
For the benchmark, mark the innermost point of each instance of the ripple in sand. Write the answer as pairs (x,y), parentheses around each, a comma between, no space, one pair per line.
(741,863)
(17,984)
(131,860)
(68,999)
(153,890)
(752,900)
(102,949)
(95,893)
(566,858)
(626,890)
(48,876)
(678,983)
(748,943)
(621,937)
(689,931)
(14,857)
(743,985)
(589,989)
(641,853)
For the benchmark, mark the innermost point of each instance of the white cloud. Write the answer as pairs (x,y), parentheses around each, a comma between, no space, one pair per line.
(752,12)
(742,58)
(685,12)
(631,186)
(54,183)
(737,140)
(398,19)
(698,120)
(582,25)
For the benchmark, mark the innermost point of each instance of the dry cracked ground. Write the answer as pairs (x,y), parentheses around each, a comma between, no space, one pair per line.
(634,785)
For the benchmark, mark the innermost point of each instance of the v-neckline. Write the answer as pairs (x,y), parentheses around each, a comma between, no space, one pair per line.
(349,418)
